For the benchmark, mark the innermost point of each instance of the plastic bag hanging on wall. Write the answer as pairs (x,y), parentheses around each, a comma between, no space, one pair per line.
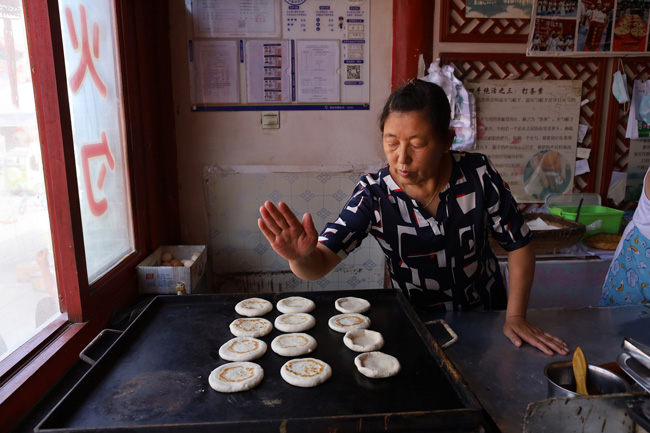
(638,122)
(463,106)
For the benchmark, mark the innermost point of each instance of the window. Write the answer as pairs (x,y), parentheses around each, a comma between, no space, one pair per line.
(91,55)
(28,291)
(125,141)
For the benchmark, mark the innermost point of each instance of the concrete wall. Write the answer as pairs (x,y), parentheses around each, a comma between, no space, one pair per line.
(307,141)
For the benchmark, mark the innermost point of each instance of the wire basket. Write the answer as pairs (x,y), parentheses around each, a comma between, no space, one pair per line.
(565,236)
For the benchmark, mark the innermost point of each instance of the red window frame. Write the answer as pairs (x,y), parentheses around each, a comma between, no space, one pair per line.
(29,372)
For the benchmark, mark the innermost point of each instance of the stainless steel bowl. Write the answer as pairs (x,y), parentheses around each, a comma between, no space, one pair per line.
(562,383)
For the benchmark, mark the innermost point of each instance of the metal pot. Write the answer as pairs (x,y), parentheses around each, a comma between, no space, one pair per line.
(561,382)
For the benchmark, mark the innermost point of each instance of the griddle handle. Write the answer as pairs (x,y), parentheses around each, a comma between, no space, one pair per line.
(454,337)
(86,358)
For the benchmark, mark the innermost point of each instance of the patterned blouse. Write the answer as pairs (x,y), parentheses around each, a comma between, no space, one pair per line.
(441,261)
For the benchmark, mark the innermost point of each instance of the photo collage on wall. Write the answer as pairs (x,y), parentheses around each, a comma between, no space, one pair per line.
(589,27)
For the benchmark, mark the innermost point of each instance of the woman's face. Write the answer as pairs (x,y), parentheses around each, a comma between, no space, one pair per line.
(412,150)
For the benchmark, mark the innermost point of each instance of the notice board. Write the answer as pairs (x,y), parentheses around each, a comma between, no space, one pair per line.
(279,54)
(529,130)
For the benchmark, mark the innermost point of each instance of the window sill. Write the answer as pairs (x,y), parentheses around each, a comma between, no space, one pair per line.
(41,363)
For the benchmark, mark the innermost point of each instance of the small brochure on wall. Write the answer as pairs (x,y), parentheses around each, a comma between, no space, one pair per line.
(589,27)
(318,71)
(216,74)
(269,71)
(235,18)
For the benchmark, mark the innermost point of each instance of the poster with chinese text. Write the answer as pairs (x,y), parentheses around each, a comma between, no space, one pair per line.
(529,130)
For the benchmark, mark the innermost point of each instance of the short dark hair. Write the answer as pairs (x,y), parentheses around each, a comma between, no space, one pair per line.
(419,95)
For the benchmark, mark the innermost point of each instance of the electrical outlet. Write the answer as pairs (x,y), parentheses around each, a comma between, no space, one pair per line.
(270,119)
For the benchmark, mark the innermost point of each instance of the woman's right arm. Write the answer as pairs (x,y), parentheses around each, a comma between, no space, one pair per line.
(296,241)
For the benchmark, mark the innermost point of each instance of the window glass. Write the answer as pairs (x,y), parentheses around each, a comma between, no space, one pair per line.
(28,290)
(97,115)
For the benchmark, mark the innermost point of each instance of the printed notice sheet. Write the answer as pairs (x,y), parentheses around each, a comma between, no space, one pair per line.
(216,76)
(228,18)
(529,130)
(318,71)
(638,161)
(268,71)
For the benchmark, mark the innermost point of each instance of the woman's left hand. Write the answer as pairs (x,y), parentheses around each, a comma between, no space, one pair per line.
(517,329)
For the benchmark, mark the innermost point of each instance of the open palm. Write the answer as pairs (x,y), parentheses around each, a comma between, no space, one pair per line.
(287,235)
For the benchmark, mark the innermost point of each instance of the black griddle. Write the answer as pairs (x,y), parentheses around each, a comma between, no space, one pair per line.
(155,376)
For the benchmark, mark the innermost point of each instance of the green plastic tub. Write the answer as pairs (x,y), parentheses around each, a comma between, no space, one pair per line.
(611,218)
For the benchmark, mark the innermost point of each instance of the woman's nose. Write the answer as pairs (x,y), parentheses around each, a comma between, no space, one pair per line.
(403,156)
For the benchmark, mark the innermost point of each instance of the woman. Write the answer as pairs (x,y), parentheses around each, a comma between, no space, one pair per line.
(430,210)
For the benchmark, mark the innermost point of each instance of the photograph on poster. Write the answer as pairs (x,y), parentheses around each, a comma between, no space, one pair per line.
(631,26)
(553,35)
(557,8)
(521,9)
(595,25)
(547,172)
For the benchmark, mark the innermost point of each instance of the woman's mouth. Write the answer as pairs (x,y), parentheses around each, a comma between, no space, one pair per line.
(404,173)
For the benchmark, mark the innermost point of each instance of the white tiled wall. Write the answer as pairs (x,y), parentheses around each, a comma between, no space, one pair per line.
(242,259)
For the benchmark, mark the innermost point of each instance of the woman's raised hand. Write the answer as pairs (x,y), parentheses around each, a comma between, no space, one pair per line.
(289,237)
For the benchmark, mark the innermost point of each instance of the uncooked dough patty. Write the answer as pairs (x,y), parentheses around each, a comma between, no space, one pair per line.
(352,305)
(363,340)
(305,372)
(236,376)
(377,365)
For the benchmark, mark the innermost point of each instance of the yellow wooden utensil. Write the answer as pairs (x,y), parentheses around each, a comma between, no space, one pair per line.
(580,371)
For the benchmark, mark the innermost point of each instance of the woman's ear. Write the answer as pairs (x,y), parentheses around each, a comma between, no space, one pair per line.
(450,139)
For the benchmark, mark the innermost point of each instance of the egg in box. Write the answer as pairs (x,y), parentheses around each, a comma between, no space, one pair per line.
(170,264)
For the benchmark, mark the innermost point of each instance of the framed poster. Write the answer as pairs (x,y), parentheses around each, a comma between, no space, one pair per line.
(471,21)
(589,27)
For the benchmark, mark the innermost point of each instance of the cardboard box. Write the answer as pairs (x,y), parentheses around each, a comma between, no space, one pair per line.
(154,278)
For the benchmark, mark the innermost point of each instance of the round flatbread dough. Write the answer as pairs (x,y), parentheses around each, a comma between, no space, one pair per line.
(236,376)
(250,327)
(242,349)
(295,304)
(377,365)
(253,307)
(352,305)
(363,340)
(305,372)
(295,322)
(348,322)
(295,344)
